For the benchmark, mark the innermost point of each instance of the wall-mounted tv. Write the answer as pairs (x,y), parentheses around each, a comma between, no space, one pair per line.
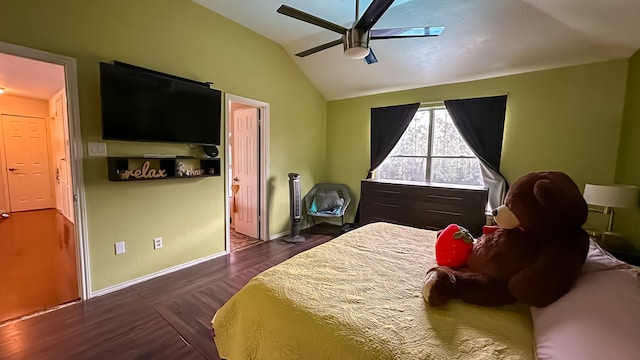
(145,105)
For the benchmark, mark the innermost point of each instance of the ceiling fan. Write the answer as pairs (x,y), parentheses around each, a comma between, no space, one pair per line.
(356,39)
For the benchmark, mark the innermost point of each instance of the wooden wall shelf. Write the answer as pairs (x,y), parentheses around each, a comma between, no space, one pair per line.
(135,168)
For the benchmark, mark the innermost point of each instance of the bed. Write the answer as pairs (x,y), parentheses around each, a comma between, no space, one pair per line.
(359,297)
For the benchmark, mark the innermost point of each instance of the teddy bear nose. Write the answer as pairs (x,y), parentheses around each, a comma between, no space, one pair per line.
(494,212)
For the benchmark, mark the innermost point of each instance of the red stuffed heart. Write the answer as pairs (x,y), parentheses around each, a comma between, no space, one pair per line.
(453,246)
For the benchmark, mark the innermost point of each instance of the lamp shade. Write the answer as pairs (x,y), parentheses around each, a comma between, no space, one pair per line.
(617,196)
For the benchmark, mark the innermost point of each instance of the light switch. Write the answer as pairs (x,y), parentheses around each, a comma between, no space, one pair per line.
(97,148)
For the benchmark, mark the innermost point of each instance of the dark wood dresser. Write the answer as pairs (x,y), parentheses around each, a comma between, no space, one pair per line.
(423,205)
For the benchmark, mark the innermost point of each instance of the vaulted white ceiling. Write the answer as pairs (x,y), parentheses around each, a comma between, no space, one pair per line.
(482,39)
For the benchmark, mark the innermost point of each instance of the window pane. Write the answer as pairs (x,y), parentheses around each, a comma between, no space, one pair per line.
(456,171)
(447,141)
(415,140)
(394,168)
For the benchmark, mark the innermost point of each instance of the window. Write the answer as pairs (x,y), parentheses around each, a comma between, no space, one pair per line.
(432,149)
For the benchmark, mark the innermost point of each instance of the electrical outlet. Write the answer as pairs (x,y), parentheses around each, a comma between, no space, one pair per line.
(157,243)
(119,248)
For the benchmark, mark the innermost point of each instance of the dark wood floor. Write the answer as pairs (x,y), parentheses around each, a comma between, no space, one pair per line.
(164,318)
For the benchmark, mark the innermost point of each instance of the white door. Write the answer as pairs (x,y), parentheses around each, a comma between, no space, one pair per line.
(245,171)
(54,138)
(64,154)
(27,159)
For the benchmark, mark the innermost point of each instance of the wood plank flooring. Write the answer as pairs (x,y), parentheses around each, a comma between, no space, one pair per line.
(164,318)
(37,262)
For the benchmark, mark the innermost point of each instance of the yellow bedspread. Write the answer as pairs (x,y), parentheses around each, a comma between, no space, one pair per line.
(359,297)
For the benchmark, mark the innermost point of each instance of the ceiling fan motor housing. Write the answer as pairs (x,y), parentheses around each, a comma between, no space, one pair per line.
(356,43)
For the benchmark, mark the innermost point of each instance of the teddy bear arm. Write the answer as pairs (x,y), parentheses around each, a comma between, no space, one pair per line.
(482,289)
(443,283)
(550,277)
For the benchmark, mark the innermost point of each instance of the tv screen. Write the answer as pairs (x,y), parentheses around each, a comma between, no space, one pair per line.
(144,105)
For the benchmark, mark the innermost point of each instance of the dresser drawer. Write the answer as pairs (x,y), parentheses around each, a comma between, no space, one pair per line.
(381,206)
(439,219)
(382,190)
(383,209)
(453,201)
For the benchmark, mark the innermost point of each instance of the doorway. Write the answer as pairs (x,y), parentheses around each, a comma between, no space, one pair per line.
(42,189)
(246,172)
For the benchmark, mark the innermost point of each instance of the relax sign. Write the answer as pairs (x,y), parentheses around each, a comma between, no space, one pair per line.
(144,173)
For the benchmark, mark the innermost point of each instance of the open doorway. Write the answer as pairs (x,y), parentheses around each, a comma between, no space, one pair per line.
(41,188)
(246,172)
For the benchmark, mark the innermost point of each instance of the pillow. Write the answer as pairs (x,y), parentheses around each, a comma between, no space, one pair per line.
(327,200)
(599,318)
(314,207)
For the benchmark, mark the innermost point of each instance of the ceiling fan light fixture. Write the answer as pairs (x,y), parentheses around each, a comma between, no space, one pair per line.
(356,52)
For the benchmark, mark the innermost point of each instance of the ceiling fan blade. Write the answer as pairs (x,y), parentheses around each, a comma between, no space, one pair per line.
(373,14)
(378,34)
(303,16)
(319,48)
(371,58)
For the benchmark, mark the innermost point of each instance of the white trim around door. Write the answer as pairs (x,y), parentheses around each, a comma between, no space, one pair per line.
(73,114)
(263,167)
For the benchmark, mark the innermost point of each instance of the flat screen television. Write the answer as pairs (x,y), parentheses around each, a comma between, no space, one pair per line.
(144,105)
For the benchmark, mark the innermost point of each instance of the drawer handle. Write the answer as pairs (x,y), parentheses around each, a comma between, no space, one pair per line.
(445,212)
(387,205)
(388,192)
(445,197)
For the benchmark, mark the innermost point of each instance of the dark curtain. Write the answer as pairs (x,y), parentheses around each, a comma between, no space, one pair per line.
(480,121)
(387,126)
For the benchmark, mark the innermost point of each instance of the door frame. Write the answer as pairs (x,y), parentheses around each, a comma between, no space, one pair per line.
(75,143)
(263,167)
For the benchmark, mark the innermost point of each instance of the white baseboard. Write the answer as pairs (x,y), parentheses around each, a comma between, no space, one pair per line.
(126,284)
(278,235)
(285,233)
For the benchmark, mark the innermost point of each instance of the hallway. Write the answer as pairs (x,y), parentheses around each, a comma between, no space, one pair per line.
(37,262)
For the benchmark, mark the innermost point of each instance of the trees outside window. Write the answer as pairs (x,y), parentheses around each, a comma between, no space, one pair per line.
(432,150)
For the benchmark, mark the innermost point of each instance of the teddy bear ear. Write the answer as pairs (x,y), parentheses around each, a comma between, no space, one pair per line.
(560,196)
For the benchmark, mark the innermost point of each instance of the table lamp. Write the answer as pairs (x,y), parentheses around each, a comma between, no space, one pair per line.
(609,197)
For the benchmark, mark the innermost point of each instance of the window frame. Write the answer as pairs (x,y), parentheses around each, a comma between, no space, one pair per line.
(429,157)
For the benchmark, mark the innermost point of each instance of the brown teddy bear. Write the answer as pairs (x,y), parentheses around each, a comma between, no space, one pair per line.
(535,254)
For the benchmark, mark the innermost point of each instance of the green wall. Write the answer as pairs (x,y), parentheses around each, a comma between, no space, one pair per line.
(627,221)
(181,38)
(566,119)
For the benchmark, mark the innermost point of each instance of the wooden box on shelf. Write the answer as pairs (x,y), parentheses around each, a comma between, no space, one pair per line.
(133,168)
